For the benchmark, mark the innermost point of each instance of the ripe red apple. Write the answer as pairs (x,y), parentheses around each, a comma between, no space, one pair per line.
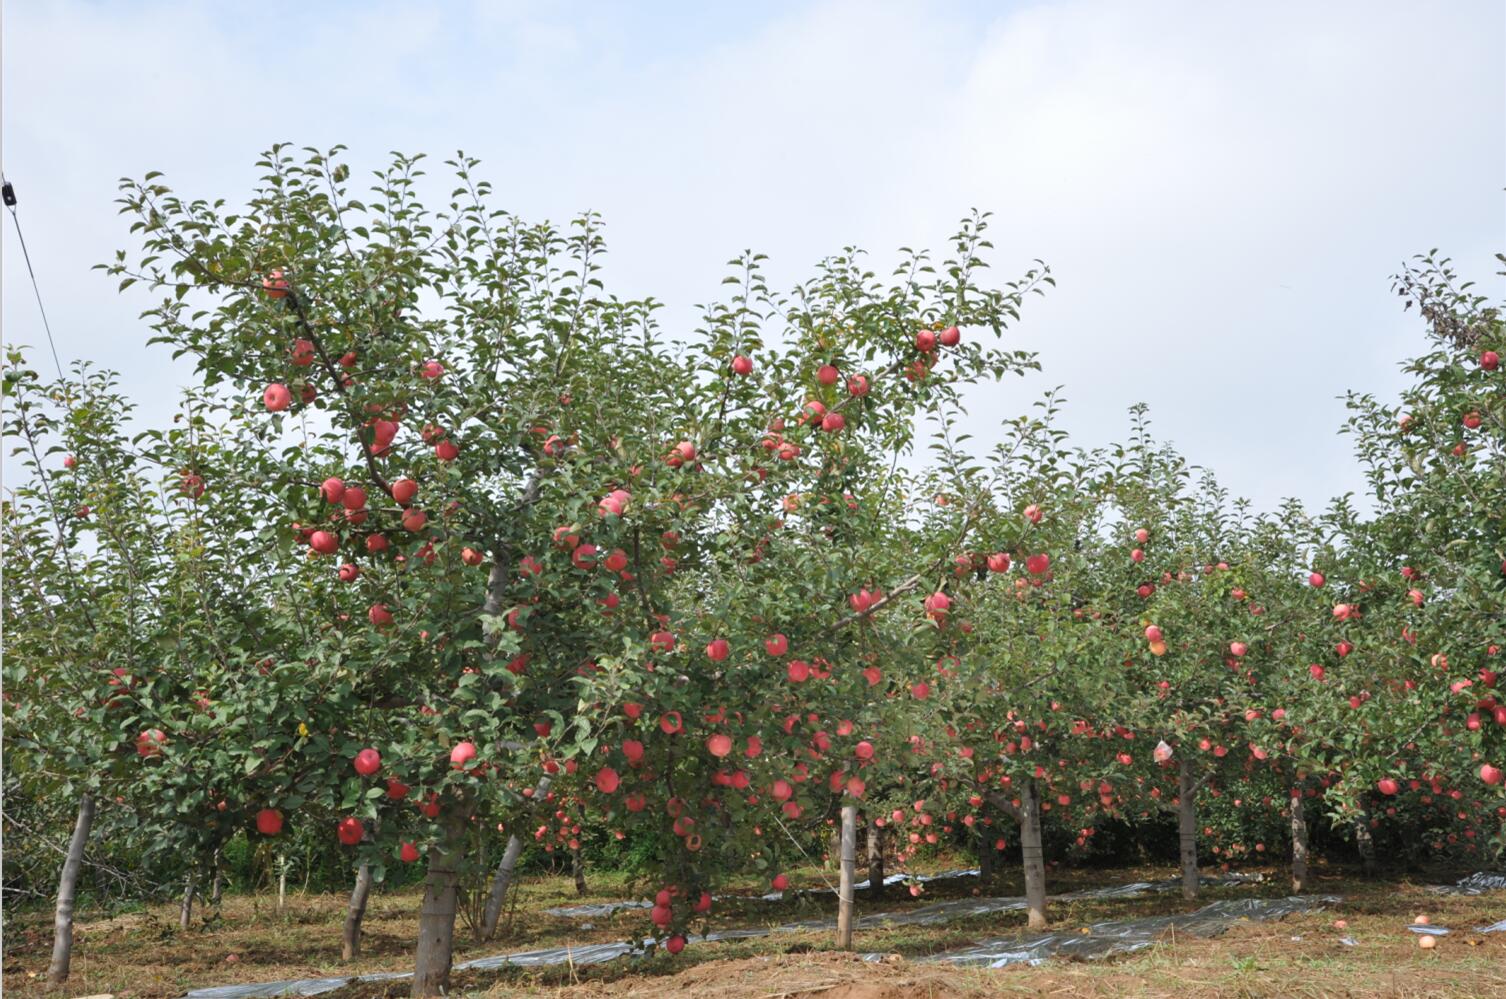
(471,556)
(1238,649)
(408,853)
(353,497)
(376,543)
(827,374)
(675,944)
(431,370)
(324,542)
(925,341)
(1489,774)
(349,572)
(780,882)
(742,365)
(350,830)
(446,450)
(1033,514)
(69,461)
(275,284)
(463,753)
(277,397)
(1472,420)
(150,742)
(1490,360)
(950,336)
(303,353)
(1142,536)
(414,520)
(616,560)
(670,723)
(404,490)
(379,615)
(396,789)
(332,489)
(1316,579)
(863,750)
(857,385)
(998,562)
(1388,786)
(1038,564)
(269,822)
(662,641)
(719,745)
(718,650)
(776,644)
(368,762)
(798,671)
(1153,634)
(607,780)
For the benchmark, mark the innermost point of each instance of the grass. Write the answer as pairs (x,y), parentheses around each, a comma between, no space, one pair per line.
(142,955)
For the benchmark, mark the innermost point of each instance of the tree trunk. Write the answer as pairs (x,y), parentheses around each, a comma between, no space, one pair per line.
(436,918)
(1299,842)
(985,857)
(185,911)
(847,862)
(1365,842)
(1033,856)
(350,941)
(578,868)
(1187,828)
(875,858)
(502,880)
(62,922)
(217,887)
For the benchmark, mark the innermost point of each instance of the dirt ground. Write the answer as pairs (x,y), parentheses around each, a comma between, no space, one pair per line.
(142,955)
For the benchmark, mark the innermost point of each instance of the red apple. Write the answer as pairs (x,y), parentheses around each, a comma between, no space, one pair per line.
(368,762)
(776,644)
(350,830)
(269,822)
(408,854)
(277,397)
(742,365)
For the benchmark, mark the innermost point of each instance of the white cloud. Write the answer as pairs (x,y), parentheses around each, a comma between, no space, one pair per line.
(1221,189)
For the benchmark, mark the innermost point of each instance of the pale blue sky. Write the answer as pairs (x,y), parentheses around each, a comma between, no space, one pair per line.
(1222,189)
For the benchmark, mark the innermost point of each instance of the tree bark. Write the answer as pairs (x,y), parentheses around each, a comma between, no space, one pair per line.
(985,857)
(502,880)
(875,858)
(1365,842)
(847,863)
(350,941)
(185,911)
(436,919)
(62,922)
(217,887)
(1299,842)
(1187,827)
(578,868)
(1032,855)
